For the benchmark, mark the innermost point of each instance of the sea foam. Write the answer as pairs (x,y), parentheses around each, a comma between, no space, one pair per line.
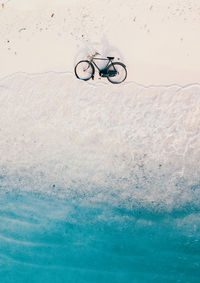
(122,144)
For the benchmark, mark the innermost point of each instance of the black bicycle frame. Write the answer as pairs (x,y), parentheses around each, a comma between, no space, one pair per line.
(105,59)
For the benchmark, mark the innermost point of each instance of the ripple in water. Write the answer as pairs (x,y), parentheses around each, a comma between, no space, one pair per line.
(98,183)
(44,239)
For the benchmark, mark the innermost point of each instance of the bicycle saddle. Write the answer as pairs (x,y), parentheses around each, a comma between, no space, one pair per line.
(110,57)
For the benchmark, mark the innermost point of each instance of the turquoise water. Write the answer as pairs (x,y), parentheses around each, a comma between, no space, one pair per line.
(98,183)
(47,239)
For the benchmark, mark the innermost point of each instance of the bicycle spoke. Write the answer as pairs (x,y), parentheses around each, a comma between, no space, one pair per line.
(118,76)
(84,70)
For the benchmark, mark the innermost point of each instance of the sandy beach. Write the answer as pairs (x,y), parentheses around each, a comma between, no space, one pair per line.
(99,182)
(157,40)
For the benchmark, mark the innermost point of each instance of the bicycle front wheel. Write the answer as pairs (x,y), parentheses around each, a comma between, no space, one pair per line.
(118,73)
(84,70)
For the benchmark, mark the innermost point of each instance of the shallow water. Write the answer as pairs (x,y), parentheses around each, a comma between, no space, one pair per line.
(98,183)
(44,239)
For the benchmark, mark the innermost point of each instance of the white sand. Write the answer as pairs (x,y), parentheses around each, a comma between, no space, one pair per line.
(157,40)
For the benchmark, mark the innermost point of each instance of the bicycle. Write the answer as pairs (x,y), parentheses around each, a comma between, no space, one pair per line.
(115,72)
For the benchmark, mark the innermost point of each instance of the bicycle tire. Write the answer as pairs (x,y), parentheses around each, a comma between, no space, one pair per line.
(119,67)
(84,70)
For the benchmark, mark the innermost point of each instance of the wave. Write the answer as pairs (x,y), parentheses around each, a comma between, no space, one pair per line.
(129,145)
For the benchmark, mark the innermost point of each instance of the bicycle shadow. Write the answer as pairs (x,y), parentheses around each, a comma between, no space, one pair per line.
(103,47)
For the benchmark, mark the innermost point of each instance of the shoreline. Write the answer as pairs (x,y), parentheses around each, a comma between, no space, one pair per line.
(158,42)
(96,82)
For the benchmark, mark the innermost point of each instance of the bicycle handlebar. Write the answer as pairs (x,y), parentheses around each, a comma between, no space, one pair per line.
(92,56)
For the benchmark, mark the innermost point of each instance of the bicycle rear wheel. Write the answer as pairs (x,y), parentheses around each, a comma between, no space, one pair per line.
(118,73)
(84,70)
